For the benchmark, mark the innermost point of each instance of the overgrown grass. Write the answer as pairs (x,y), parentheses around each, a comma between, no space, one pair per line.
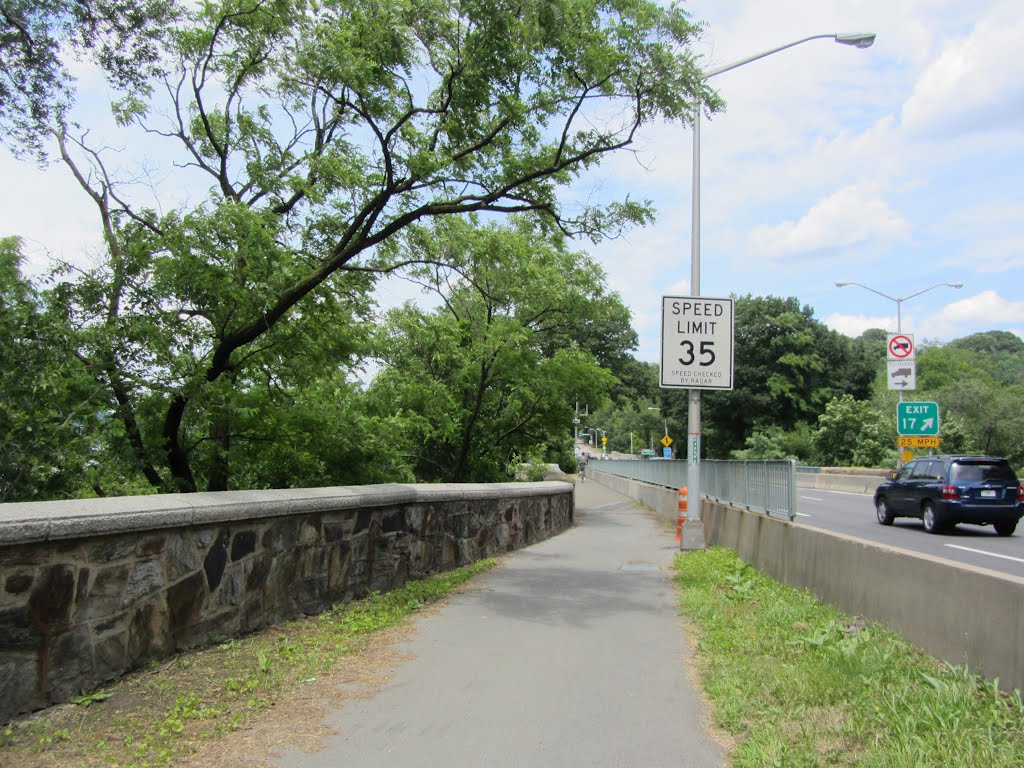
(151,718)
(801,684)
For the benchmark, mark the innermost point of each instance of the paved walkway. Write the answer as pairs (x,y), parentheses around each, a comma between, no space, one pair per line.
(569,654)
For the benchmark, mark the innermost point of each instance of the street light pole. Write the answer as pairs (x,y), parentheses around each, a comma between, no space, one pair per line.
(664,419)
(899,299)
(693,530)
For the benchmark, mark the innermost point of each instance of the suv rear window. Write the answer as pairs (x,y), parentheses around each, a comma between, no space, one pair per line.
(975,473)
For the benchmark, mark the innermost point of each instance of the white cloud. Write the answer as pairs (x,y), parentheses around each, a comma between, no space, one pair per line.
(680,288)
(853,215)
(855,325)
(971,86)
(993,255)
(985,311)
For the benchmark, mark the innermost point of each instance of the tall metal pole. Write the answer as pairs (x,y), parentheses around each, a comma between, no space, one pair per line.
(899,329)
(693,529)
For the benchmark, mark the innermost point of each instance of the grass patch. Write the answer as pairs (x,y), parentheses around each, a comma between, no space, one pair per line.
(167,712)
(799,683)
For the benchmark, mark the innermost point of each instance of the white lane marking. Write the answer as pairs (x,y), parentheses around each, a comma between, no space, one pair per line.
(983,552)
(802,514)
(846,493)
(811,498)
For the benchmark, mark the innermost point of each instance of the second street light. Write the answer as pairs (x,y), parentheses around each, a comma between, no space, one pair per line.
(693,531)
(899,300)
(899,313)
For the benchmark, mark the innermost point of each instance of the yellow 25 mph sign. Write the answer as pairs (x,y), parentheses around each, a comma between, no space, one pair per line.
(918,442)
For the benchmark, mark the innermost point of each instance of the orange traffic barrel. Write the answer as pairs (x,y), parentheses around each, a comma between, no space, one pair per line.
(683,511)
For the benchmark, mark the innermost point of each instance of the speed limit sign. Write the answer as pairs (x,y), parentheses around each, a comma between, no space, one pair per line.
(696,342)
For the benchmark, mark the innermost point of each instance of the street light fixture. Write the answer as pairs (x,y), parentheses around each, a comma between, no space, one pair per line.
(899,300)
(694,527)
(656,408)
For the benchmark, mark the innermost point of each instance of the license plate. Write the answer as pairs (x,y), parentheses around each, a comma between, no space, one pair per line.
(988,494)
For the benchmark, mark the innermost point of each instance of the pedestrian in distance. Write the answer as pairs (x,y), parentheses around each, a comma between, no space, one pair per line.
(583,467)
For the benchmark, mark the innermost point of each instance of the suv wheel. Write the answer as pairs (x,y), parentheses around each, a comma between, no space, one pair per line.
(1006,528)
(933,522)
(882,511)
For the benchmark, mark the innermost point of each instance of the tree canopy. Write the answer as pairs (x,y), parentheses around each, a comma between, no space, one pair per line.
(39,37)
(493,372)
(788,365)
(326,132)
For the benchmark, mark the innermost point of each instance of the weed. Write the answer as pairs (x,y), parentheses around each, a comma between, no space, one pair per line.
(800,684)
(87,699)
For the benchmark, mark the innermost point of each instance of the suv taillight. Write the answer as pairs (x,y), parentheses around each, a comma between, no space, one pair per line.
(949,493)
(1020,494)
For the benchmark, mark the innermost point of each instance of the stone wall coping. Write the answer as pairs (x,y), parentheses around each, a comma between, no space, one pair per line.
(37,521)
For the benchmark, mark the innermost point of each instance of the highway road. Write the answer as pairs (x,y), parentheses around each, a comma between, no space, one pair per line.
(853,514)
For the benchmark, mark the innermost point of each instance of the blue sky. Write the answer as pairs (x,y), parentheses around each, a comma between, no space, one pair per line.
(898,166)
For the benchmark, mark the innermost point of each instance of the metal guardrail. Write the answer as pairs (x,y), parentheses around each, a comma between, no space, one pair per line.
(763,486)
(669,474)
(766,486)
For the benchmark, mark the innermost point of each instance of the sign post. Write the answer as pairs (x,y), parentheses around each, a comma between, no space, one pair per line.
(696,354)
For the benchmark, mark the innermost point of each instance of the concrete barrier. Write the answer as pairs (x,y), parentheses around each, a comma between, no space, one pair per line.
(959,613)
(828,481)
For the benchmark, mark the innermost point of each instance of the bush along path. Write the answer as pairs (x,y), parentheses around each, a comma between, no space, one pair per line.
(797,683)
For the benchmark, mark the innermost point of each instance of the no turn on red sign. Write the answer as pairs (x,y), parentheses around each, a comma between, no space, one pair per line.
(901,346)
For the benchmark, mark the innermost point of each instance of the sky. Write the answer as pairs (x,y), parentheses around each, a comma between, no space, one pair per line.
(899,166)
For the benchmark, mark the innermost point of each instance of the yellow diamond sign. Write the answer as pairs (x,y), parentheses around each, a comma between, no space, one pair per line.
(666,441)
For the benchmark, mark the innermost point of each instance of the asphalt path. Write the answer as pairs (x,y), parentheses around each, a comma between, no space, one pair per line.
(854,514)
(569,653)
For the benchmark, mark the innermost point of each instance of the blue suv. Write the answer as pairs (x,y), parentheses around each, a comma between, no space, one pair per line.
(946,490)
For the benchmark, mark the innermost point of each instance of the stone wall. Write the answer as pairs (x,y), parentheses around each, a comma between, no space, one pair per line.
(90,589)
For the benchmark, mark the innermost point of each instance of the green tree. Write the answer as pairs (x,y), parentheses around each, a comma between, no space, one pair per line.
(493,372)
(772,442)
(788,365)
(37,37)
(854,433)
(991,342)
(631,425)
(974,381)
(865,364)
(49,409)
(638,382)
(327,130)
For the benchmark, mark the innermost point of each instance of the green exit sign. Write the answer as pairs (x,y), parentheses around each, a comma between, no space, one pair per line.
(917,418)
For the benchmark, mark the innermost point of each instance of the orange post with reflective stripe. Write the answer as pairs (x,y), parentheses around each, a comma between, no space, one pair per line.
(683,511)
